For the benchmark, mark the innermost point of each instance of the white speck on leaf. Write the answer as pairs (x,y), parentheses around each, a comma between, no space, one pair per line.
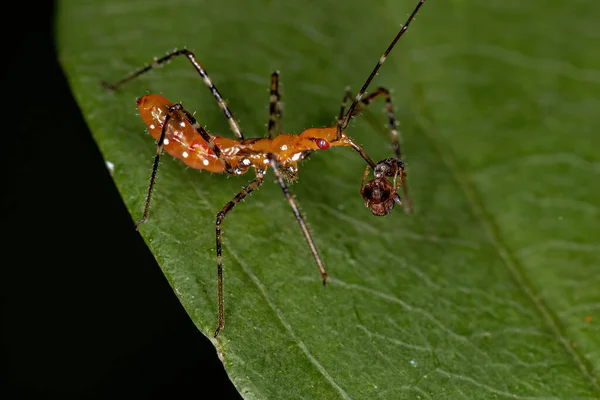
(110,166)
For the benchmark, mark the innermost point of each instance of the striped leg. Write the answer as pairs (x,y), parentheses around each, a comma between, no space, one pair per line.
(190,56)
(274,106)
(343,124)
(220,217)
(305,231)
(355,146)
(390,112)
(208,139)
(347,96)
(159,148)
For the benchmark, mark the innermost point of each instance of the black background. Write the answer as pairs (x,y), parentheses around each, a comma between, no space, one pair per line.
(86,311)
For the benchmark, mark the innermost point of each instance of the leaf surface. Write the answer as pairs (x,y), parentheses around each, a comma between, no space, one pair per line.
(488,290)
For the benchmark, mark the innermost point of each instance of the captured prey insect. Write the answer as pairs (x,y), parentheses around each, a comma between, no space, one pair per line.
(177,131)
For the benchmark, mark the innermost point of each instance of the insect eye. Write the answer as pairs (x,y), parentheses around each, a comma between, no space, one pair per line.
(322,144)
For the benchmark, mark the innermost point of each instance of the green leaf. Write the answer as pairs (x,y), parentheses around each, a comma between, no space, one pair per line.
(490,289)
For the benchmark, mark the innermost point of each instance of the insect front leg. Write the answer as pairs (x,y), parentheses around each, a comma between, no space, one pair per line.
(343,124)
(347,96)
(235,128)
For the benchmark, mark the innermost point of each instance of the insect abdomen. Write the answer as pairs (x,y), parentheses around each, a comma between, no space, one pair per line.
(181,139)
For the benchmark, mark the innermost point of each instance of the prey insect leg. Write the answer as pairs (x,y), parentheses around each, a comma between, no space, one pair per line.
(190,56)
(260,174)
(303,226)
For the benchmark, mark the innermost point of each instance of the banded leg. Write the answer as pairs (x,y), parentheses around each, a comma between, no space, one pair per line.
(220,217)
(274,106)
(305,231)
(353,144)
(347,96)
(209,140)
(381,91)
(344,123)
(192,59)
(159,148)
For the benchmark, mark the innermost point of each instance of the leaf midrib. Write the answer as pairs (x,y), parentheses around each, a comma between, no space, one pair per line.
(425,121)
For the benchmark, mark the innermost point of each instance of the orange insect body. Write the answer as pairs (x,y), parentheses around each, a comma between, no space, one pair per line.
(182,141)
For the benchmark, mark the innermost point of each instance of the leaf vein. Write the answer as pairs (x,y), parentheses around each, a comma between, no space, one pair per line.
(248,271)
(508,259)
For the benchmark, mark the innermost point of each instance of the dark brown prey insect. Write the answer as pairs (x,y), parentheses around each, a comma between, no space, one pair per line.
(380,194)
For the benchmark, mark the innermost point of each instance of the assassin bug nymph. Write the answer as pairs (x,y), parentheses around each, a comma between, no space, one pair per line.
(177,131)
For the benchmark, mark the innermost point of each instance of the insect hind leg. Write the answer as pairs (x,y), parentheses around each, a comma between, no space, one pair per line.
(235,128)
